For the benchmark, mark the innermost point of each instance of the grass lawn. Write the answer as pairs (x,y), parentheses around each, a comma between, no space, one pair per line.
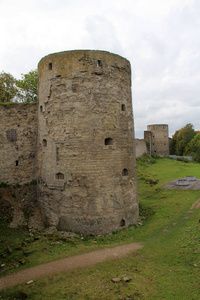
(167,267)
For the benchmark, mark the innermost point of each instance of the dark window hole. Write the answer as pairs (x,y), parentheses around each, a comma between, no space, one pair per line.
(57,152)
(59,176)
(44,143)
(125,172)
(99,63)
(109,141)
(123,107)
(50,66)
(122,223)
(41,108)
(16,163)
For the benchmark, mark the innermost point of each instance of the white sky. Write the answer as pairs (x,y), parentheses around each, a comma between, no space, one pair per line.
(161,39)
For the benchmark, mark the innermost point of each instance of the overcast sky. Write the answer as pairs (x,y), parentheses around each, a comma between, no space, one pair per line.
(161,39)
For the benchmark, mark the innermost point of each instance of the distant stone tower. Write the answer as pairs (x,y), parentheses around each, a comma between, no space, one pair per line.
(86,153)
(157,139)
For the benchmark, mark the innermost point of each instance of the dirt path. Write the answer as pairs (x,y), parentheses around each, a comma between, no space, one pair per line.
(196,204)
(66,264)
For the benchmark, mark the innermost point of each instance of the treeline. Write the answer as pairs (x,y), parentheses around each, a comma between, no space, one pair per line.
(22,90)
(186,141)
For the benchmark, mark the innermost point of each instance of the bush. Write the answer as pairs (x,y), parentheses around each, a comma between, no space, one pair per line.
(183,159)
(4,185)
(146,159)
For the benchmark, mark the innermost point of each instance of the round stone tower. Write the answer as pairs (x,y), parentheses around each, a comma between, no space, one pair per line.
(86,154)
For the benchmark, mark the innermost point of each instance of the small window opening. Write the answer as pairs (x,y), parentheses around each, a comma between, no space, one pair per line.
(109,141)
(50,66)
(123,107)
(99,63)
(16,163)
(59,176)
(44,143)
(57,152)
(122,223)
(125,172)
(18,125)
(41,108)
(11,135)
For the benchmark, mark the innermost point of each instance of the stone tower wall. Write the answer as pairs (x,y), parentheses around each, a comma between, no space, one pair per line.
(159,139)
(17,143)
(86,153)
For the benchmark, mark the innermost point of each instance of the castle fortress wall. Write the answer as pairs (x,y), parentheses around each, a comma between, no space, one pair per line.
(17,143)
(140,148)
(86,153)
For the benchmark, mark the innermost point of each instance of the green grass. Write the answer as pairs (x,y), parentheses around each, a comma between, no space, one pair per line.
(167,267)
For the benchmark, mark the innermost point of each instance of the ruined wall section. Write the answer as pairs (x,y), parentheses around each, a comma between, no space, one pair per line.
(148,140)
(87,179)
(17,142)
(159,139)
(140,147)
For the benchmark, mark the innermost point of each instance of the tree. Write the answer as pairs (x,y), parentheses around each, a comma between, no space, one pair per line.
(27,87)
(194,147)
(8,89)
(181,138)
(173,143)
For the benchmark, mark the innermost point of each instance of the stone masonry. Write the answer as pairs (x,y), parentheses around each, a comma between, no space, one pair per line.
(79,146)
(17,143)
(140,148)
(86,155)
(157,139)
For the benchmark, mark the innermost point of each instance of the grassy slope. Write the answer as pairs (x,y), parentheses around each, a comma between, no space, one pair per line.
(166,268)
